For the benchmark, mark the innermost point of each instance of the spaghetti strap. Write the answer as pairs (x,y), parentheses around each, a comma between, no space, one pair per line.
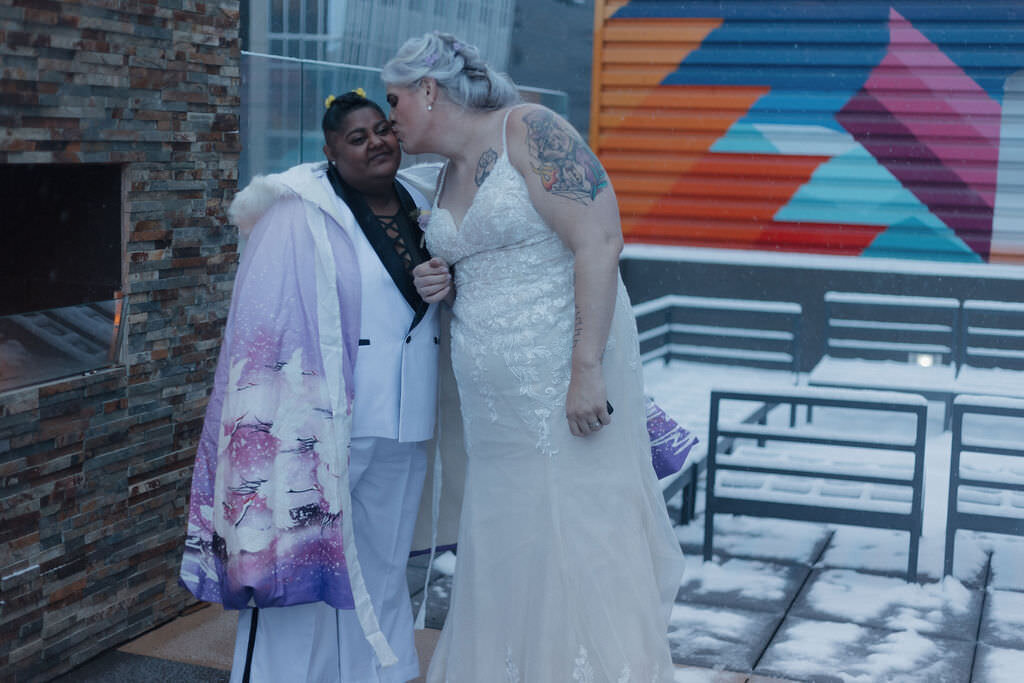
(504,128)
(504,154)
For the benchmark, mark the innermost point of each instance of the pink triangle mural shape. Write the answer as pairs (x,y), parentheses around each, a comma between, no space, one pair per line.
(934,128)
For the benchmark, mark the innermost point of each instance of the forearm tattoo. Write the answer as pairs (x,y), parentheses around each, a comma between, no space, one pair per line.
(484,166)
(577,331)
(565,164)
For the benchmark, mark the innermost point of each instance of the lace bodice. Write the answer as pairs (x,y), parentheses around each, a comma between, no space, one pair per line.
(514,297)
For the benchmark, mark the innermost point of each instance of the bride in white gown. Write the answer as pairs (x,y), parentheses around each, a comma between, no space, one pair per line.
(567,563)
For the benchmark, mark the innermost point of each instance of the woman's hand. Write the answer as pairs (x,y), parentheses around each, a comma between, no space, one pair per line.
(586,404)
(433,280)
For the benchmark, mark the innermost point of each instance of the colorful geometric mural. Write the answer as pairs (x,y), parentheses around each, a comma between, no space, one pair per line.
(862,127)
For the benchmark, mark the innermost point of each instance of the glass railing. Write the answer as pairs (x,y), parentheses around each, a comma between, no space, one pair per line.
(40,346)
(283,102)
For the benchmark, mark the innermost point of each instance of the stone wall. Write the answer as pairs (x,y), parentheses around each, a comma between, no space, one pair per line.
(95,469)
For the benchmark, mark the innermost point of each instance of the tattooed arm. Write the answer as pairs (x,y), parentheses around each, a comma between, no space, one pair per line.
(571,191)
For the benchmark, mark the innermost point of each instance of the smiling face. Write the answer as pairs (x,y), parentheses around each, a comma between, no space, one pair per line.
(409,115)
(364,148)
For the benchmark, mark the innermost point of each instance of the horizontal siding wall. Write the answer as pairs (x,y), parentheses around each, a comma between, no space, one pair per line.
(856,128)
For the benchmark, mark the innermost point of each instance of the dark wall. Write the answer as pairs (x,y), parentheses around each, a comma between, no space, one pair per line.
(552,47)
(806,285)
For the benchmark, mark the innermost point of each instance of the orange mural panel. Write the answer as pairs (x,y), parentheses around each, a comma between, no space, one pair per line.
(757,188)
(691,97)
(660,30)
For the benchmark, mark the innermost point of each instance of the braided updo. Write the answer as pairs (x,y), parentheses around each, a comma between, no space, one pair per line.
(456,66)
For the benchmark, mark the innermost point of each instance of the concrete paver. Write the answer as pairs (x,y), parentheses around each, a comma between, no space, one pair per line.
(1002,624)
(710,637)
(751,584)
(810,649)
(883,602)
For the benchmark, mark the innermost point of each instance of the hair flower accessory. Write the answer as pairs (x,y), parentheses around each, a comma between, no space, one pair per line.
(329,101)
(360,92)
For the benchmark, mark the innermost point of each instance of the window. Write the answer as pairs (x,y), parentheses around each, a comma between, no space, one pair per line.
(60,270)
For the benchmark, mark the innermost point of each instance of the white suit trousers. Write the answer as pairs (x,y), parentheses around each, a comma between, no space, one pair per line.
(316,643)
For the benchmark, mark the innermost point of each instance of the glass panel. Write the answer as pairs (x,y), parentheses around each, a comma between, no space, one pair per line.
(294,13)
(282,105)
(312,17)
(276,16)
(270,123)
(45,345)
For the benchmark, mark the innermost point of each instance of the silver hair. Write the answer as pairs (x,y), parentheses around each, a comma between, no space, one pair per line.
(456,66)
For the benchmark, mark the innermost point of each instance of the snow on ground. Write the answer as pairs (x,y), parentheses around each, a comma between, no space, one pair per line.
(718,637)
(826,602)
(775,539)
(888,602)
(819,650)
(1004,619)
(749,579)
(693,675)
(998,665)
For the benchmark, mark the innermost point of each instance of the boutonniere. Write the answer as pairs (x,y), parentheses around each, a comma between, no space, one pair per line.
(421,217)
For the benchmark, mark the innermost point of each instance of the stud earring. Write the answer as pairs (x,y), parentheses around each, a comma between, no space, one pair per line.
(430,107)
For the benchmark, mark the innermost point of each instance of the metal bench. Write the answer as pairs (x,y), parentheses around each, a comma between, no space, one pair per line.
(849,475)
(986,473)
(891,343)
(991,350)
(717,331)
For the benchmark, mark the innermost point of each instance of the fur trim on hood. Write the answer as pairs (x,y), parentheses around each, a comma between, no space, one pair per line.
(259,195)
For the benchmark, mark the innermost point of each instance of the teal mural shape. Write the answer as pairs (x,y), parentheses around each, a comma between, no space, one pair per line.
(914,239)
(743,138)
(854,188)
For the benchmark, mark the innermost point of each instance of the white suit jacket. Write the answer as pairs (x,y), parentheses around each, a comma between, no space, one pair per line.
(396,365)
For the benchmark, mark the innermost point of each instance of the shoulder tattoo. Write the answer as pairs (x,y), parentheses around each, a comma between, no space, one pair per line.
(565,164)
(484,166)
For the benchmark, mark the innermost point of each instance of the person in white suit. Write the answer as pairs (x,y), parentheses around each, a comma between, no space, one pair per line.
(308,540)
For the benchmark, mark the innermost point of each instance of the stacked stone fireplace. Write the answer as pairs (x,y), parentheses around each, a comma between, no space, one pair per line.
(126,114)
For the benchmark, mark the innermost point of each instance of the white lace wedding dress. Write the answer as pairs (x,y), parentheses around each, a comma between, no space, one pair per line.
(567,563)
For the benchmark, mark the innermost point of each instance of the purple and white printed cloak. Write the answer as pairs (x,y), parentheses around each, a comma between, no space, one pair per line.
(268,521)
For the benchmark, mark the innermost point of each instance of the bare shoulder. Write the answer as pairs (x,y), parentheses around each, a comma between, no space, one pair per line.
(545,147)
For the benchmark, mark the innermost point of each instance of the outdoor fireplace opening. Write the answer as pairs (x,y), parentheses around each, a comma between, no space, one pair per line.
(60,270)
